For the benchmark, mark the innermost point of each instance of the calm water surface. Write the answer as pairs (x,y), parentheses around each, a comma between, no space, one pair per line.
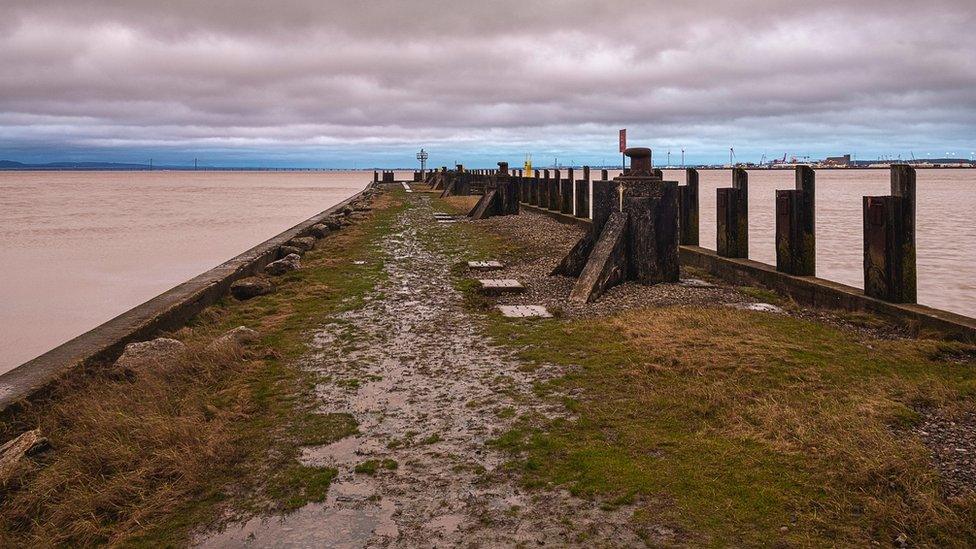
(78,248)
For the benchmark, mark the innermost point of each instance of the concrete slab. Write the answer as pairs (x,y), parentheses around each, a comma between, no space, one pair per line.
(485,265)
(500,285)
(762,307)
(525,311)
(406,187)
(695,283)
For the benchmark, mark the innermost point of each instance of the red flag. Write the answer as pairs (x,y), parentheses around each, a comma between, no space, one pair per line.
(623,140)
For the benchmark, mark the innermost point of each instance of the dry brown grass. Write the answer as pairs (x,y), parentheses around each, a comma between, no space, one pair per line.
(128,448)
(461,204)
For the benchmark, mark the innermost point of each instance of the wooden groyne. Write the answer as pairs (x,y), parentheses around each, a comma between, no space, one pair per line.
(660,229)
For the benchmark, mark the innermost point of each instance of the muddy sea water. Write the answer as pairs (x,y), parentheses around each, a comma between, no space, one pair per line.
(78,248)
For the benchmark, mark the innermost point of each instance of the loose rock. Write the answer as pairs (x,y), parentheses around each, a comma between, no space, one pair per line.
(291,262)
(238,336)
(319,230)
(147,352)
(285,251)
(304,242)
(252,286)
(333,223)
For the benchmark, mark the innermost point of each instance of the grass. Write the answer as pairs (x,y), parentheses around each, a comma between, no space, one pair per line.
(733,424)
(372,466)
(735,427)
(145,457)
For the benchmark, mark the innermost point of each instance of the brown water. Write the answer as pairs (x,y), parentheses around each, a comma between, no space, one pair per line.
(78,248)
(946,230)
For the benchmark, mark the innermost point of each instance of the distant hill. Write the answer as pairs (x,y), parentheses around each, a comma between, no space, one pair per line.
(12,165)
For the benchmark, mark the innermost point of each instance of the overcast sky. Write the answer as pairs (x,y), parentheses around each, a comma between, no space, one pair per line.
(367,83)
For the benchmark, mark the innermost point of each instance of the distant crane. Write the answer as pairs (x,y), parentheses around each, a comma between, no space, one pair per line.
(669,158)
(682,157)
(731,157)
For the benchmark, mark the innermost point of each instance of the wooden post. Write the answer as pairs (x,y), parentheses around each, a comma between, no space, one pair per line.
(688,206)
(889,240)
(732,221)
(604,174)
(796,250)
(554,191)
(566,193)
(582,193)
(544,190)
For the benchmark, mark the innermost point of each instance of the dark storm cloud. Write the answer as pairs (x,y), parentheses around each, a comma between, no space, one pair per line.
(314,76)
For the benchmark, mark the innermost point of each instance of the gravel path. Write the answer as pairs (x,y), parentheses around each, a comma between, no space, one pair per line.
(429,391)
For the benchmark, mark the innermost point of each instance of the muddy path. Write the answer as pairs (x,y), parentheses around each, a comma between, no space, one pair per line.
(429,392)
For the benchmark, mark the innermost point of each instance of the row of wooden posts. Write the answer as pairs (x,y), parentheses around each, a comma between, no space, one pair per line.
(889,221)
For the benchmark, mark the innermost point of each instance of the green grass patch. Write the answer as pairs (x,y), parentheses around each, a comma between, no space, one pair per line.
(372,466)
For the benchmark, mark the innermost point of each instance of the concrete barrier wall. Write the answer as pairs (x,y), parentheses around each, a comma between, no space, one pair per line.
(167,311)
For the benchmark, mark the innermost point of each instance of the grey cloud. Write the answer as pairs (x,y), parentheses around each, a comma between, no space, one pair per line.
(314,75)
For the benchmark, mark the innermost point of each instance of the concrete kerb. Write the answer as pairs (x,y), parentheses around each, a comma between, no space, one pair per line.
(167,311)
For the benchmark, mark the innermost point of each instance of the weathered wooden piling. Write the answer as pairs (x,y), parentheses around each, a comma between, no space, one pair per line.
(553,195)
(583,194)
(544,190)
(566,193)
(796,248)
(688,207)
(732,221)
(889,240)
